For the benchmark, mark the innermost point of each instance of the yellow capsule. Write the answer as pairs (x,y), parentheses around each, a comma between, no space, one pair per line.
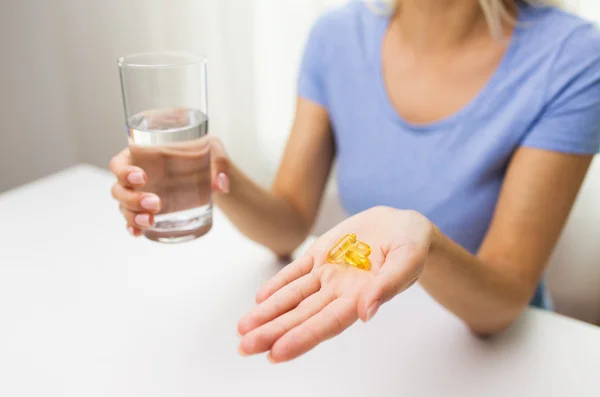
(339,250)
(358,256)
(361,248)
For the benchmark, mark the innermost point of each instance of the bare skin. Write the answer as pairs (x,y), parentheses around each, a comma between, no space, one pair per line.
(433,49)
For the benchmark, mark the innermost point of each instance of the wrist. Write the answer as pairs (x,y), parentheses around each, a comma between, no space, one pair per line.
(437,238)
(436,243)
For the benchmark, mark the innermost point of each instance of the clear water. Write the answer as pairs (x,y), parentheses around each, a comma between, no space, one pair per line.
(171,146)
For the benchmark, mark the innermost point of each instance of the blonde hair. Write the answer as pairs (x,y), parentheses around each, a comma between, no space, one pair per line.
(496,11)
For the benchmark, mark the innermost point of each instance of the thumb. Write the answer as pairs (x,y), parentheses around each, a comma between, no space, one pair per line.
(219,164)
(400,271)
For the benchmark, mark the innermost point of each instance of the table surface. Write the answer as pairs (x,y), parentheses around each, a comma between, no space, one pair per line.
(85,310)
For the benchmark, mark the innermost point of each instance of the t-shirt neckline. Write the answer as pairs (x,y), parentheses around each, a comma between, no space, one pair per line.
(463,112)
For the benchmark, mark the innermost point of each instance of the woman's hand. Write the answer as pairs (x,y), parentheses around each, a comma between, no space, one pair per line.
(139,207)
(312,300)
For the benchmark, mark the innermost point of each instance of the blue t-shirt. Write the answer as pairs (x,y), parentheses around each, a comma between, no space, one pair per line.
(545,94)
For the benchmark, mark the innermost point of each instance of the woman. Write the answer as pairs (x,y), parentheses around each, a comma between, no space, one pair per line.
(463,130)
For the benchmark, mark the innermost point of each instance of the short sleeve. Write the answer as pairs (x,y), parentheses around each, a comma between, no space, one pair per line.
(311,79)
(570,121)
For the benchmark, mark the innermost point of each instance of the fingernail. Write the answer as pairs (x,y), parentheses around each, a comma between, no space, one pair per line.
(151,203)
(131,231)
(270,358)
(372,311)
(136,178)
(223,183)
(241,352)
(143,220)
(239,335)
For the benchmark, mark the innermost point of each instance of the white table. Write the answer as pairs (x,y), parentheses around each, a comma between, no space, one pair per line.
(85,311)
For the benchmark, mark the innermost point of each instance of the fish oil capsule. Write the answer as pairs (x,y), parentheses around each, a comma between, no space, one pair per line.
(336,255)
(358,256)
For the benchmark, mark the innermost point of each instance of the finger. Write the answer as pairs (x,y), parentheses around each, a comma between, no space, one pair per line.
(329,322)
(136,201)
(399,272)
(291,272)
(262,339)
(219,166)
(221,183)
(282,301)
(127,174)
(135,232)
(137,220)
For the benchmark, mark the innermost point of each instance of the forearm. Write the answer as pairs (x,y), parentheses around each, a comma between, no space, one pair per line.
(489,291)
(486,298)
(261,215)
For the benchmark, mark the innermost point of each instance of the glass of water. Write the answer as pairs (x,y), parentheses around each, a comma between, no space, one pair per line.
(166,107)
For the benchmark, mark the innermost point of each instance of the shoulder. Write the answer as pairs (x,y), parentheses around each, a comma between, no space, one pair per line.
(343,24)
(339,41)
(567,50)
(580,44)
(560,46)
(347,16)
(559,32)
(551,19)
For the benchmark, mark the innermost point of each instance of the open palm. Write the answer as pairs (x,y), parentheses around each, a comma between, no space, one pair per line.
(312,300)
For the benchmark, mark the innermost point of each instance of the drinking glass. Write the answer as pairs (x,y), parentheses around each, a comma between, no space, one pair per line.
(166,109)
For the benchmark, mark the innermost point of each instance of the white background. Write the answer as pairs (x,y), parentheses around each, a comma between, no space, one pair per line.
(59,87)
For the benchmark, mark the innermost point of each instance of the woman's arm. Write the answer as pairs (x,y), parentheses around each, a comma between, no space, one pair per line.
(541,184)
(281,218)
(311,300)
(489,291)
